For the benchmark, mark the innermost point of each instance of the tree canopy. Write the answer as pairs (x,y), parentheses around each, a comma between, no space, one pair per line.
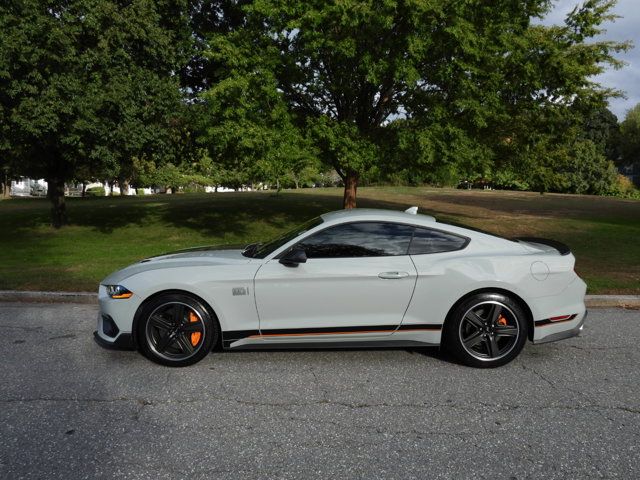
(87,85)
(238,91)
(465,83)
(630,137)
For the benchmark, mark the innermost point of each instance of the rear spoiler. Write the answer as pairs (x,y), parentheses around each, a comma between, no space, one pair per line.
(560,247)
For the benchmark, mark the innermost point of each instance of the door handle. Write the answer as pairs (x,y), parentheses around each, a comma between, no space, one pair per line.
(393,275)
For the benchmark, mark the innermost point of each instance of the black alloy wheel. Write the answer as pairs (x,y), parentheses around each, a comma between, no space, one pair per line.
(486,330)
(176,330)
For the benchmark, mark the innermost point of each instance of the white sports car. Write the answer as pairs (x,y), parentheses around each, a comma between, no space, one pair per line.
(352,278)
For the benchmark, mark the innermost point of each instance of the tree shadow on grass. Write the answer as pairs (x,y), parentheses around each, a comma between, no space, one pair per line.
(118,230)
(103,213)
(115,231)
(233,213)
(207,214)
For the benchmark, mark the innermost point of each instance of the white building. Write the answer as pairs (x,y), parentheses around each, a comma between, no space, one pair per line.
(27,187)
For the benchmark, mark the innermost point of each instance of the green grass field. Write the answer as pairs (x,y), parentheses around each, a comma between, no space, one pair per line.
(108,233)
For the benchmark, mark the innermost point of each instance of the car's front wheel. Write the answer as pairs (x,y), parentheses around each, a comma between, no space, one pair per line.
(486,330)
(176,330)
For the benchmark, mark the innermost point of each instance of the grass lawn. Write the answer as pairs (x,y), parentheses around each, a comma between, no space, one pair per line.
(108,233)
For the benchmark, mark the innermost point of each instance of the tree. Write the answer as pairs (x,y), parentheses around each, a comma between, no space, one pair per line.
(208,18)
(5,181)
(630,137)
(600,125)
(246,126)
(437,79)
(550,96)
(88,85)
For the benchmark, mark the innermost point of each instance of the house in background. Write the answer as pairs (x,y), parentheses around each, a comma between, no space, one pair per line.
(28,187)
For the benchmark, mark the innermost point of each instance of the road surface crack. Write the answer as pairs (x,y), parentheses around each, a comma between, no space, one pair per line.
(354,406)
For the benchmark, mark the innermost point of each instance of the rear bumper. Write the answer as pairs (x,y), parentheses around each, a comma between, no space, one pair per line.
(559,316)
(573,332)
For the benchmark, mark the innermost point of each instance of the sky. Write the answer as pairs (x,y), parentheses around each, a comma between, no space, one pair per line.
(627,27)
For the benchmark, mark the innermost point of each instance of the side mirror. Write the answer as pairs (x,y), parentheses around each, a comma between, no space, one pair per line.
(294,257)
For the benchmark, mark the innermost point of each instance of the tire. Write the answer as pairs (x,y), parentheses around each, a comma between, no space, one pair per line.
(176,330)
(486,330)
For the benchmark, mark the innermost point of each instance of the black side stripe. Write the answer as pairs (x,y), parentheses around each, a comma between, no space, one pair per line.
(548,321)
(235,335)
(421,326)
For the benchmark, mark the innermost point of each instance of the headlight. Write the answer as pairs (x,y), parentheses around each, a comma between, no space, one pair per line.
(118,292)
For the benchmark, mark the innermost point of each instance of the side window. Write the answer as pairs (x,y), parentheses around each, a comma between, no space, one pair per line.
(360,239)
(433,241)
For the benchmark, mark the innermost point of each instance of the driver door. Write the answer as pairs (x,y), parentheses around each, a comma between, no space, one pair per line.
(358,280)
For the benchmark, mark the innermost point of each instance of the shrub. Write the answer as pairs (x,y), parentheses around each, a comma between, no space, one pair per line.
(95,192)
(508,180)
(625,188)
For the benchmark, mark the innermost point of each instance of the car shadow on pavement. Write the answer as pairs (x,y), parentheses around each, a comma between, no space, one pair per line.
(433,352)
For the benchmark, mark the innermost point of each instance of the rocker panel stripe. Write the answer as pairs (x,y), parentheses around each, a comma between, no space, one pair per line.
(235,335)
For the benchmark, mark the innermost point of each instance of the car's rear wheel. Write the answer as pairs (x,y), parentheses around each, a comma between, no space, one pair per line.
(176,330)
(486,330)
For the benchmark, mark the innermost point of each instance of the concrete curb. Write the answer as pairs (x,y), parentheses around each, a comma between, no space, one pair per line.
(48,297)
(592,301)
(617,301)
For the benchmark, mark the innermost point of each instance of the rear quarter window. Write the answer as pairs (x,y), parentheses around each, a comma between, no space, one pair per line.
(426,240)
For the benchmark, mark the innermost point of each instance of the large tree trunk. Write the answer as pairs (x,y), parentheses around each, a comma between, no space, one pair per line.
(123,183)
(6,186)
(55,193)
(350,189)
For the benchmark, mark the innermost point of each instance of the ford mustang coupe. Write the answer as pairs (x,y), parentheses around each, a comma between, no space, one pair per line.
(352,278)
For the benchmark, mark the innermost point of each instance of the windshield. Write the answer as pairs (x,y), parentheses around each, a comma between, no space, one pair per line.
(259,250)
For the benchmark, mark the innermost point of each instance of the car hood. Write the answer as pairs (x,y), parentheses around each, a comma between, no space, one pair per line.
(193,257)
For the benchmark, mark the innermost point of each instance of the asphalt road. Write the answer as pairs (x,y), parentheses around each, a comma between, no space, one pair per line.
(70,409)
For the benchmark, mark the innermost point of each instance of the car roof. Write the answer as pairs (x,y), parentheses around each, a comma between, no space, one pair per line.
(356,214)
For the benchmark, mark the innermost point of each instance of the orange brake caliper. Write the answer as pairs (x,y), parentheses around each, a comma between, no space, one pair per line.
(195,336)
(502,321)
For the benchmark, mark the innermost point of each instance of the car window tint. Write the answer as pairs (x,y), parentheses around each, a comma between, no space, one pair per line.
(262,250)
(360,239)
(426,240)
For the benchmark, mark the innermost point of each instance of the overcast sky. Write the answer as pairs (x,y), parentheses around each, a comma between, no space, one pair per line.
(627,27)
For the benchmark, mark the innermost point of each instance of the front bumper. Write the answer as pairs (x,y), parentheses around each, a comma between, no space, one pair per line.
(573,332)
(115,321)
(123,342)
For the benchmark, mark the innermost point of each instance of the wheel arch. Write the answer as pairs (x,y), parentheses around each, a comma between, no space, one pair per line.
(205,304)
(517,298)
